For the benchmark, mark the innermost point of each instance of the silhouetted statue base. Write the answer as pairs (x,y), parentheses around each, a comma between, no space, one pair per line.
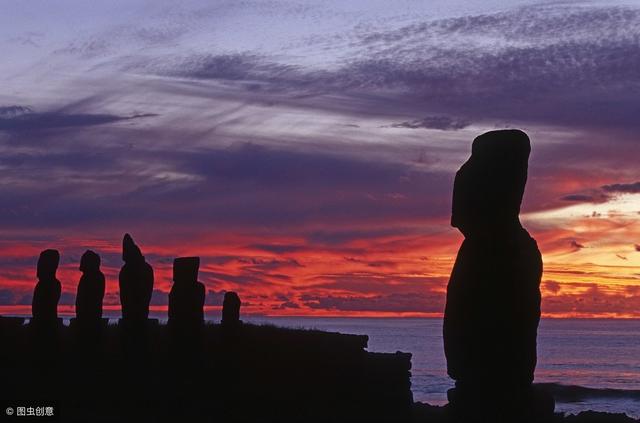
(46,324)
(45,336)
(89,327)
(186,340)
(134,337)
(138,324)
(491,404)
(11,322)
(98,323)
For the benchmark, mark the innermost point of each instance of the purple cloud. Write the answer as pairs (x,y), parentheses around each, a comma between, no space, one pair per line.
(21,118)
(632,188)
(443,123)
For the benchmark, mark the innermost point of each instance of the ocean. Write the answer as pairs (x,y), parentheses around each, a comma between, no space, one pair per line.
(603,355)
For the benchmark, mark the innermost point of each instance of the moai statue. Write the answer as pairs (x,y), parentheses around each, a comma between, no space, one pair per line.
(231,309)
(186,299)
(493,297)
(46,295)
(90,288)
(136,282)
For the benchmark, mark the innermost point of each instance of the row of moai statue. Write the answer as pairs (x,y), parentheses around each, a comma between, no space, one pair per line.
(136,279)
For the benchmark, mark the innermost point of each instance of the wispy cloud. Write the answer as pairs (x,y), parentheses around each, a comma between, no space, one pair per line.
(21,118)
(631,188)
(443,123)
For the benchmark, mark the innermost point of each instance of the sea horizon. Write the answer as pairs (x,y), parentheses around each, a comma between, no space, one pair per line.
(215,312)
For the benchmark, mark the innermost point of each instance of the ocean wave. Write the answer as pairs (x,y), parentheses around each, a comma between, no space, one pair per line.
(574,393)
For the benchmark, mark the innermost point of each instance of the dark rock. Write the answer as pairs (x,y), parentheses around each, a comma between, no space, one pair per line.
(423,412)
(136,282)
(493,297)
(599,417)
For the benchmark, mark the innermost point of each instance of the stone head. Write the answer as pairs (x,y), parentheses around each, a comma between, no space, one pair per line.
(185,269)
(90,262)
(48,264)
(130,251)
(488,188)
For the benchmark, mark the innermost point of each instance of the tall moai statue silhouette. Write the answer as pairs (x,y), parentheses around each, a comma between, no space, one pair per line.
(44,306)
(186,298)
(493,297)
(90,288)
(231,309)
(136,282)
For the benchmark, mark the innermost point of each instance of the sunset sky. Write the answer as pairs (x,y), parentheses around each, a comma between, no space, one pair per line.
(306,150)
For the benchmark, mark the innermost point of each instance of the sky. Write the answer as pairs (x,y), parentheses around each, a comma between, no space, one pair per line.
(306,150)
